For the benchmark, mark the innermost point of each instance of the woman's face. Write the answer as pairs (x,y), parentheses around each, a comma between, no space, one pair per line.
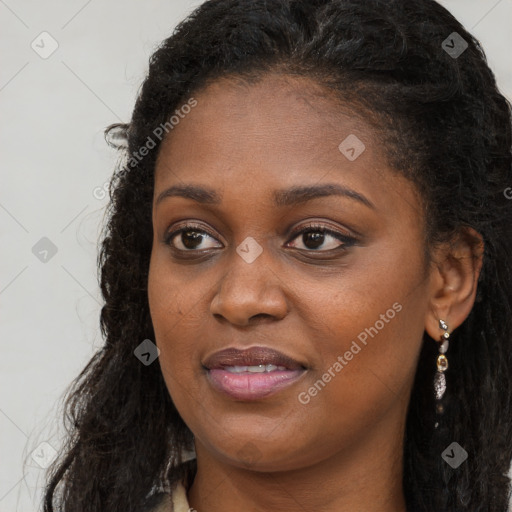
(348,305)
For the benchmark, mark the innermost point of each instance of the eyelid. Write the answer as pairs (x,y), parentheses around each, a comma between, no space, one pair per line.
(321,227)
(187,226)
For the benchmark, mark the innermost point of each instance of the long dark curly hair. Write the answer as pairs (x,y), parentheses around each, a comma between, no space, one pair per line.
(445,126)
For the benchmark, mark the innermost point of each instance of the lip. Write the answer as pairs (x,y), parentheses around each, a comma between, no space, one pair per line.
(251,386)
(252,356)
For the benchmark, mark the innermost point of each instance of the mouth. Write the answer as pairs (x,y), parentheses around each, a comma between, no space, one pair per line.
(253,373)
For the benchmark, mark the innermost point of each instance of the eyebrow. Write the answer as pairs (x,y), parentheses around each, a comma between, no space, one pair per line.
(285,197)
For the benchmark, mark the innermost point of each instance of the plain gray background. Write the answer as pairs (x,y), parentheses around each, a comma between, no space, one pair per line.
(54,165)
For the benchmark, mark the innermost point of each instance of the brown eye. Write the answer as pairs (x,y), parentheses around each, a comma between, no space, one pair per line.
(189,238)
(315,237)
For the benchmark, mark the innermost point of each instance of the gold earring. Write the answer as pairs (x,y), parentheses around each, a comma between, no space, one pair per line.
(442,366)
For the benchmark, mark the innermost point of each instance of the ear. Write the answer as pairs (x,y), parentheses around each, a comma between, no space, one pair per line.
(453,281)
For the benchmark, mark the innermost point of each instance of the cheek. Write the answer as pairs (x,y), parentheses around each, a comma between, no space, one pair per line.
(368,336)
(175,308)
(366,371)
(173,298)
(166,306)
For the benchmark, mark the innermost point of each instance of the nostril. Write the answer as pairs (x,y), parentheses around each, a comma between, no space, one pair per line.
(260,316)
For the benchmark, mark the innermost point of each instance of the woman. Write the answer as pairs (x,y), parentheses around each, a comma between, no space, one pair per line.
(305,271)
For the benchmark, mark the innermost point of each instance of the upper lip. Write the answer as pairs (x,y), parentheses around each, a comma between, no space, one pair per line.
(252,356)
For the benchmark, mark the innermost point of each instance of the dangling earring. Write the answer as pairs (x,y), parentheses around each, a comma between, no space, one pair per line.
(442,366)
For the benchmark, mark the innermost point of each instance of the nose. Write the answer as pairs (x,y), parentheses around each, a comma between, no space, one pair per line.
(249,293)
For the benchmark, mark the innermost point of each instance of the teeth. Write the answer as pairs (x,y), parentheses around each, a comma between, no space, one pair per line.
(261,368)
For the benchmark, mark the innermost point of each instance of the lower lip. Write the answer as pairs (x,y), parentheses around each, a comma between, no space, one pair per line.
(252,386)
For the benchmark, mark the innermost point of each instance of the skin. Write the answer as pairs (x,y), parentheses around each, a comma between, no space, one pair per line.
(342,450)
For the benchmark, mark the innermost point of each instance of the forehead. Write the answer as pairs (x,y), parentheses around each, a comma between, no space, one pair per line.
(288,114)
(274,133)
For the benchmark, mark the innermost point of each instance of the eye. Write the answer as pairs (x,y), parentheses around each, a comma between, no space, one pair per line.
(188,238)
(315,236)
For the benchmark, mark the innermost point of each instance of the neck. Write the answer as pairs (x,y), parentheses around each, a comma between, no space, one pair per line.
(367,476)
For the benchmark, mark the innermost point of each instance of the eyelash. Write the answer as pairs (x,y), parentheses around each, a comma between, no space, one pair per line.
(348,241)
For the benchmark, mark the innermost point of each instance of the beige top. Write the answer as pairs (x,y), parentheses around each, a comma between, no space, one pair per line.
(175,502)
